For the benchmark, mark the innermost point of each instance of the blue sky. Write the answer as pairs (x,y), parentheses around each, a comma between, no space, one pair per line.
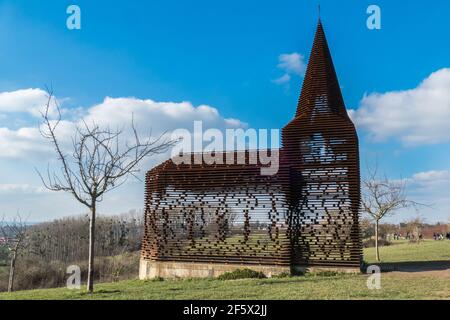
(225,54)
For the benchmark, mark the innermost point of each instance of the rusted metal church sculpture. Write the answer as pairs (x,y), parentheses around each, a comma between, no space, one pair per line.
(202,220)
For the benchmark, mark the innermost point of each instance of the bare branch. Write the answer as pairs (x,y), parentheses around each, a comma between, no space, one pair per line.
(382,197)
(99,163)
(101,160)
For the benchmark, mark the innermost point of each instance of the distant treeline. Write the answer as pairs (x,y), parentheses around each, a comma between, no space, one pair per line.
(53,246)
(67,239)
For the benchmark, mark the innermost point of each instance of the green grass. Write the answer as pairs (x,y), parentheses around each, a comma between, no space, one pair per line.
(333,286)
(404,251)
(297,288)
(242,274)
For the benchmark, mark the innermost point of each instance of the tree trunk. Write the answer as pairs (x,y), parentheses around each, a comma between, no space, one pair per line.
(12,271)
(90,282)
(377,251)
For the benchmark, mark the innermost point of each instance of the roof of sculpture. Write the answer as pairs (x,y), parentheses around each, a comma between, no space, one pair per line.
(321,85)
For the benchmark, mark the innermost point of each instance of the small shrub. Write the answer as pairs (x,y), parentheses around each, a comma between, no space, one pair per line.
(242,274)
(283,275)
(157,279)
(298,272)
(324,273)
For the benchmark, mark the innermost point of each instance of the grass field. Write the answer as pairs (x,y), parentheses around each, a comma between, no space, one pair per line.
(430,284)
(403,251)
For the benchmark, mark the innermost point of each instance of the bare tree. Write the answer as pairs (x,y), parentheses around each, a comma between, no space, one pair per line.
(14,234)
(414,228)
(382,197)
(101,161)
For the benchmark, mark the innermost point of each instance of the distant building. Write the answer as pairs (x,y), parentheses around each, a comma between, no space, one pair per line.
(6,241)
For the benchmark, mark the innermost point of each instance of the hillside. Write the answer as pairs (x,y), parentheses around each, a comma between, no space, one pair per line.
(424,275)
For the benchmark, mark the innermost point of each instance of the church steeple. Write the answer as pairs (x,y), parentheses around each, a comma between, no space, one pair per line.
(321,90)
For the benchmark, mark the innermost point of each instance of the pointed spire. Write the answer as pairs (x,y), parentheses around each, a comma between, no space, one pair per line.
(321,90)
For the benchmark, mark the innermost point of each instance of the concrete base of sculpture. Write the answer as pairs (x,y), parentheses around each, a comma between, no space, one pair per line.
(173,270)
(170,270)
(316,269)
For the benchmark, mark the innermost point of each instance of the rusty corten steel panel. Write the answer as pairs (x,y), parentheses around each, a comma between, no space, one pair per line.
(306,214)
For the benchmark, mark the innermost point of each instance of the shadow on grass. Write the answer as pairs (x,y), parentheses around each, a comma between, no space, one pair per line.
(414,266)
(310,278)
(100,292)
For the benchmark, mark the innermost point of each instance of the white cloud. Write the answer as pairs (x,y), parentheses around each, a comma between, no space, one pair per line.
(23,101)
(21,143)
(283,79)
(415,117)
(432,176)
(7,189)
(23,149)
(157,117)
(429,188)
(291,64)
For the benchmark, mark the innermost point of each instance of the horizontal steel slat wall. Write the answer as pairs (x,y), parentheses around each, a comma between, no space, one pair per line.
(306,214)
(321,147)
(239,217)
